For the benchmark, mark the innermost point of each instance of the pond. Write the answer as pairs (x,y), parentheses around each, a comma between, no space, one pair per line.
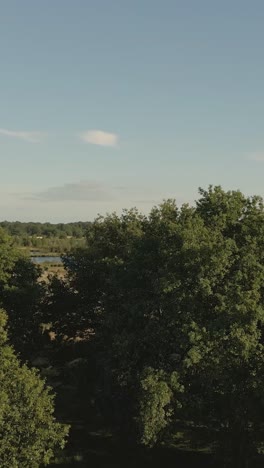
(46,260)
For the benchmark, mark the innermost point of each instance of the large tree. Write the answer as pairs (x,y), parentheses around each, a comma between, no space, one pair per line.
(176,303)
(21,295)
(29,433)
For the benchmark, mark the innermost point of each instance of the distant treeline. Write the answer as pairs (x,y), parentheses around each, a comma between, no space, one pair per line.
(46,237)
(61,230)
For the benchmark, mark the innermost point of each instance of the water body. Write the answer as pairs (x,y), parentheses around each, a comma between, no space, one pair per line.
(40,260)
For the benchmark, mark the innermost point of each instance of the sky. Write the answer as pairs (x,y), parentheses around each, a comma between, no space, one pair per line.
(111,104)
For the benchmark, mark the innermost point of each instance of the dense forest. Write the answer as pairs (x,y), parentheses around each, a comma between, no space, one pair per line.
(149,351)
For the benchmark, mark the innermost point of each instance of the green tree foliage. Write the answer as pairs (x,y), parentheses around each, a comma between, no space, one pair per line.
(8,256)
(21,295)
(178,295)
(157,403)
(29,433)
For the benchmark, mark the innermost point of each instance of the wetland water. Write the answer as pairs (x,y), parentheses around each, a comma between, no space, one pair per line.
(46,260)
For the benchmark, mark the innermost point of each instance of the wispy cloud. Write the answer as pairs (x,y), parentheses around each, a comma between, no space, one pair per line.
(148,201)
(79,191)
(99,137)
(259,157)
(32,137)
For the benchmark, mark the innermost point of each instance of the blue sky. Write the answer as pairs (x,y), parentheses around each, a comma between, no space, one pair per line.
(109,104)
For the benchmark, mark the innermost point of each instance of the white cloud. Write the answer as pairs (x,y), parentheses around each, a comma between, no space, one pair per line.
(259,157)
(32,137)
(98,137)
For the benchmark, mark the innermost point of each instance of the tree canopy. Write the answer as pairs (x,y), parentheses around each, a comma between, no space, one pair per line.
(175,300)
(29,433)
(169,308)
